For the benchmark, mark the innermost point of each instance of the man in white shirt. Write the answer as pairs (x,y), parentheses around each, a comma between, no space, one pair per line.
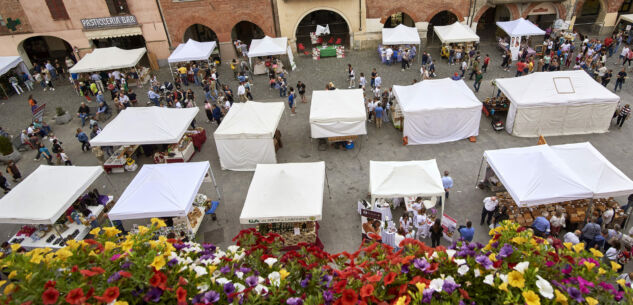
(490,204)
(116,74)
(607,216)
(623,54)
(389,55)
(416,206)
(370,109)
(241,93)
(572,237)
(419,221)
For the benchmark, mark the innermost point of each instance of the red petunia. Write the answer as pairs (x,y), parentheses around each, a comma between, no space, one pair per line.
(50,284)
(182,281)
(464,294)
(338,287)
(92,272)
(497,264)
(521,229)
(366,291)
(159,279)
(125,274)
(432,268)
(109,295)
(181,295)
(74,269)
(50,296)
(390,278)
(76,297)
(349,297)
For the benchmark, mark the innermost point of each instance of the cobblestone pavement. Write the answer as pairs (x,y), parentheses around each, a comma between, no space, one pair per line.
(347,171)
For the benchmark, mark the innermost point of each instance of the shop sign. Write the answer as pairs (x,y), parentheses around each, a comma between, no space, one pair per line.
(108,22)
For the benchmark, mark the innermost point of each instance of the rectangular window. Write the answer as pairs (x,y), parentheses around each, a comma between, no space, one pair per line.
(57,9)
(118,7)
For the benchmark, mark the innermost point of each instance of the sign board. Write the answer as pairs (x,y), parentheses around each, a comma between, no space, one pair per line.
(370,223)
(515,46)
(291,58)
(108,22)
(38,112)
(450,227)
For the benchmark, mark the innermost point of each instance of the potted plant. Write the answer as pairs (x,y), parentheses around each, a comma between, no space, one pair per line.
(62,116)
(7,153)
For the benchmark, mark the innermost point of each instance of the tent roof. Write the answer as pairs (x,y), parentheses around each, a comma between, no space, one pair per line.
(146,125)
(456,32)
(286,192)
(435,94)
(520,27)
(103,59)
(536,175)
(346,105)
(250,120)
(627,17)
(44,195)
(559,87)
(9,62)
(594,170)
(268,46)
(409,178)
(192,50)
(161,190)
(401,34)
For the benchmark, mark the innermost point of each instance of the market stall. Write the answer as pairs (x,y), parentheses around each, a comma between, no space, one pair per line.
(112,58)
(557,103)
(191,51)
(246,136)
(338,115)
(457,35)
(399,35)
(287,199)
(167,191)
(517,29)
(8,63)
(437,111)
(50,204)
(268,46)
(147,126)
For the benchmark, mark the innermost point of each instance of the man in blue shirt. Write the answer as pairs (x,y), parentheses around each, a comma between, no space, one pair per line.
(541,225)
(47,154)
(447,182)
(467,232)
(217,114)
(456,76)
(154,97)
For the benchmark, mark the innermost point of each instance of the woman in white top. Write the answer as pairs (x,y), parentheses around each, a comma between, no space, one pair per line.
(351,75)
(421,225)
(400,236)
(557,222)
(607,216)
(405,222)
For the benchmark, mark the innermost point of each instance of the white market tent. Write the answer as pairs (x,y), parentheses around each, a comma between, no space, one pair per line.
(268,46)
(161,190)
(455,33)
(192,50)
(439,110)
(9,62)
(401,34)
(337,113)
(44,195)
(392,179)
(104,59)
(557,103)
(545,174)
(627,18)
(287,192)
(520,27)
(146,125)
(245,137)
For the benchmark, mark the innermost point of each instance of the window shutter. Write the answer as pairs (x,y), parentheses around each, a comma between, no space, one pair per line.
(57,9)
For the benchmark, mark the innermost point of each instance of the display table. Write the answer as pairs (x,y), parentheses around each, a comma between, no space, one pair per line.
(29,244)
(495,105)
(327,51)
(260,68)
(198,221)
(385,210)
(181,154)
(198,135)
(116,163)
(342,139)
(293,233)
(388,237)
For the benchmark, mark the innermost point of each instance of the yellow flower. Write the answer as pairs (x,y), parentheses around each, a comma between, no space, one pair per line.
(560,297)
(568,245)
(13,274)
(36,259)
(95,231)
(591,301)
(158,222)
(120,303)
(109,246)
(212,269)
(9,289)
(601,271)
(283,274)
(92,253)
(401,300)
(111,231)
(158,263)
(72,244)
(519,240)
(596,253)
(579,247)
(615,266)
(127,245)
(531,298)
(28,276)
(488,247)
(504,286)
(589,265)
(420,287)
(142,229)
(63,253)
(515,279)
(2,283)
(15,247)
(492,257)
(622,282)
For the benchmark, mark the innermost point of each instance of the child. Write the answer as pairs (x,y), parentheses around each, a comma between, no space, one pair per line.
(65,158)
(362,82)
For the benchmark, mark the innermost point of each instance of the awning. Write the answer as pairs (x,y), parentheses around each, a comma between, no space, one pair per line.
(111,33)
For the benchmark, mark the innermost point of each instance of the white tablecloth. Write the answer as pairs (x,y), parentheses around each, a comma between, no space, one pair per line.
(388,238)
(385,211)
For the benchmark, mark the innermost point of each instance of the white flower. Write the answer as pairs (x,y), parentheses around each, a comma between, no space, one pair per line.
(450,253)
(503,277)
(270,261)
(233,248)
(434,255)
(238,257)
(200,271)
(544,288)
(216,273)
(462,270)
(202,288)
(222,281)
(459,261)
(477,272)
(261,289)
(436,284)
(239,287)
(522,266)
(260,280)
(489,279)
(275,278)
(239,274)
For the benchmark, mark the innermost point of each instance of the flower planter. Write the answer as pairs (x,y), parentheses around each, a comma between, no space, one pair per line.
(15,156)
(63,119)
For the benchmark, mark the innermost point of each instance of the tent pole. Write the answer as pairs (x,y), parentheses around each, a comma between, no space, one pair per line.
(443,204)
(589,210)
(328,185)
(172,73)
(110,182)
(210,171)
(479,173)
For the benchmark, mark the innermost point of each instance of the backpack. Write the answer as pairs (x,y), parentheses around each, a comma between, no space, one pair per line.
(629,55)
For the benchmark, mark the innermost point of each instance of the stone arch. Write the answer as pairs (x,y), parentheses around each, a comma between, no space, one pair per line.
(460,17)
(481,12)
(68,45)
(322,8)
(399,9)
(531,6)
(247,37)
(603,7)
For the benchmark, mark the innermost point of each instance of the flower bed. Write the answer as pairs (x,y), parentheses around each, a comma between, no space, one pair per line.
(513,268)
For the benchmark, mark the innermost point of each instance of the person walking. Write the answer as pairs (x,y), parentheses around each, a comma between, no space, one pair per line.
(619,81)
(301,88)
(291,101)
(4,184)
(351,75)
(83,139)
(16,85)
(478,77)
(623,114)
(474,68)
(14,171)
(484,67)
(447,183)
(208,110)
(490,205)
(463,68)
(436,233)
(372,81)
(379,113)
(217,114)
(65,158)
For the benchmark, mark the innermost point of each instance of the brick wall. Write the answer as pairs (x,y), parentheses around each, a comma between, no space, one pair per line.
(420,11)
(219,15)
(13,9)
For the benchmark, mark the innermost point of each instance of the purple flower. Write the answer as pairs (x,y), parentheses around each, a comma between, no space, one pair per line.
(153,295)
(229,288)
(251,281)
(505,251)
(206,256)
(211,296)
(606,286)
(575,294)
(421,264)
(225,269)
(115,257)
(326,280)
(566,270)
(114,277)
(244,269)
(427,295)
(210,247)
(404,269)
(179,246)
(172,262)
(126,265)
(294,301)
(449,286)
(484,261)
(304,283)
(328,296)
(494,244)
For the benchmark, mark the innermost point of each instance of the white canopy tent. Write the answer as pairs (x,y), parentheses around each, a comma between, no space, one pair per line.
(520,27)
(401,34)
(191,51)
(104,59)
(268,46)
(557,103)
(337,113)
(625,17)
(439,110)
(161,190)
(455,33)
(9,62)
(44,195)
(146,125)
(245,137)
(287,192)
(391,179)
